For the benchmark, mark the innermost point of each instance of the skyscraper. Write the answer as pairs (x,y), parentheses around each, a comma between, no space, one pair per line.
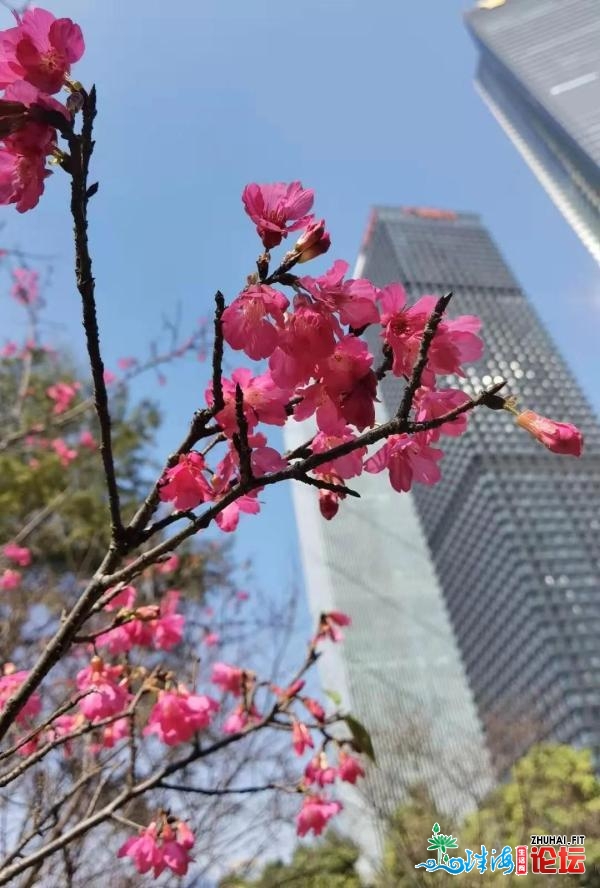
(512,529)
(539,73)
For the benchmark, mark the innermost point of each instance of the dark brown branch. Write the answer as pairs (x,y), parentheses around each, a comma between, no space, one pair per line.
(217,377)
(428,334)
(240,439)
(242,790)
(81,148)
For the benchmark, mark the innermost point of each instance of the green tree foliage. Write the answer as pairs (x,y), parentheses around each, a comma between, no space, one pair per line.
(326,864)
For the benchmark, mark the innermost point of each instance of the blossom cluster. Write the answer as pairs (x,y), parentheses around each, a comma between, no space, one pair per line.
(35,63)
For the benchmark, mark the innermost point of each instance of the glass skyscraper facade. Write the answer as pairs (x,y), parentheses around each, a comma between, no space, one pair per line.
(539,73)
(513,530)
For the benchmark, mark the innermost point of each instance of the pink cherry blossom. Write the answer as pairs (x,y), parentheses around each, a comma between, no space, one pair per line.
(264,401)
(11,680)
(246,324)
(65,453)
(353,300)
(185,484)
(17,554)
(329,625)
(212,639)
(315,708)
(170,565)
(22,178)
(178,715)
(167,628)
(40,50)
(309,337)
(347,466)
(25,288)
(86,439)
(301,737)
(126,363)
(329,500)
(242,595)
(109,377)
(431,404)
(315,814)
(123,599)
(408,459)
(10,579)
(228,518)
(228,678)
(313,242)
(110,735)
(349,768)
(319,771)
(559,437)
(145,851)
(9,350)
(276,209)
(108,692)
(239,719)
(62,393)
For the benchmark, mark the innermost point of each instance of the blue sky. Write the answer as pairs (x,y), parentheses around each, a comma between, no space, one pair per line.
(365,102)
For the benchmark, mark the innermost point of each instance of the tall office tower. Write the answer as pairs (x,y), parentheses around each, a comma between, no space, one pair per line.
(513,530)
(539,73)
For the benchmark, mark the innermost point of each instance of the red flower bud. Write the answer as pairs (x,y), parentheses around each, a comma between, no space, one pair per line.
(313,242)
(559,437)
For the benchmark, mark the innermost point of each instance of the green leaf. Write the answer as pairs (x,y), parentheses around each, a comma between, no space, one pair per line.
(335,697)
(436,828)
(360,736)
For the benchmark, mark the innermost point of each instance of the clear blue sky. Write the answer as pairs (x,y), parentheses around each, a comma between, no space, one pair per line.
(364,102)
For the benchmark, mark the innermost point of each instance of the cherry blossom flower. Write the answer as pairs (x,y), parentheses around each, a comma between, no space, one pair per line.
(347,466)
(408,459)
(86,439)
(160,846)
(62,393)
(144,851)
(25,288)
(178,715)
(40,50)
(431,404)
(315,814)
(170,565)
(329,625)
(228,678)
(240,718)
(228,518)
(10,579)
(313,242)
(108,692)
(319,771)
(246,324)
(20,555)
(264,401)
(65,453)
(329,500)
(185,484)
(315,708)
(277,209)
(309,337)
(11,680)
(353,300)
(301,737)
(349,768)
(212,639)
(559,437)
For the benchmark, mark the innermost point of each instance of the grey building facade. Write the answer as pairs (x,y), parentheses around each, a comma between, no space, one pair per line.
(539,73)
(513,530)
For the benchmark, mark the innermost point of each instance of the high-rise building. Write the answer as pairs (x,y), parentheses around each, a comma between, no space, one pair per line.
(513,530)
(539,73)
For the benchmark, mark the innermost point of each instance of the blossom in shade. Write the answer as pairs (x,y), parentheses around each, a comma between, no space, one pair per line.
(10,579)
(349,768)
(315,814)
(11,680)
(313,242)
(86,439)
(20,555)
(40,50)
(347,466)
(108,694)
(277,208)
(178,715)
(319,771)
(229,678)
(559,437)
(408,459)
(65,453)
(301,737)
(247,321)
(185,484)
(22,178)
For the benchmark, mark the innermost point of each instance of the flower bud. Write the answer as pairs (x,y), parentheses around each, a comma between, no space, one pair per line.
(313,242)
(559,437)
(329,503)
